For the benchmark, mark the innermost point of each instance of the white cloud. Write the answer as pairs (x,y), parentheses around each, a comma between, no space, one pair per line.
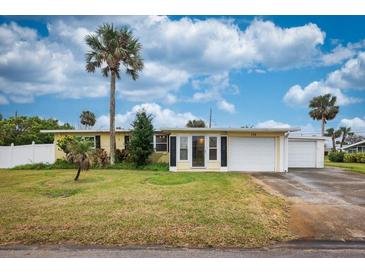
(351,75)
(226,106)
(3,100)
(338,55)
(162,117)
(297,95)
(175,53)
(356,123)
(272,124)
(213,88)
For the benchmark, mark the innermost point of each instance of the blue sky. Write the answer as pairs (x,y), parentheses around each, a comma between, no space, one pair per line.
(251,70)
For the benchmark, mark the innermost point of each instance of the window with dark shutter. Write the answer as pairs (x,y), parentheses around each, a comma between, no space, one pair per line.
(97,141)
(126,141)
(173,151)
(224,151)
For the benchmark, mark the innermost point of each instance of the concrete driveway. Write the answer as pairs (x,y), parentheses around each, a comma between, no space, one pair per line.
(326,203)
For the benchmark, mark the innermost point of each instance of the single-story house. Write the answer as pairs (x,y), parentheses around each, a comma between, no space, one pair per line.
(218,149)
(358,147)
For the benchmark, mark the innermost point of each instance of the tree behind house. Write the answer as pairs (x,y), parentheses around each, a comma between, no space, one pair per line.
(196,123)
(87,119)
(141,138)
(323,108)
(334,134)
(23,130)
(346,131)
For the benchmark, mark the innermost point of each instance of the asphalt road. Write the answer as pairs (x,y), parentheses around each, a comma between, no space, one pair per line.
(298,249)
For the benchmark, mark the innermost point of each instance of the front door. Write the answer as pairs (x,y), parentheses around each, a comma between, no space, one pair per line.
(198,151)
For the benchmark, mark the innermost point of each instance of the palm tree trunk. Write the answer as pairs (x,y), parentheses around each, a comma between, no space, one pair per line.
(112,117)
(333,143)
(78,173)
(323,123)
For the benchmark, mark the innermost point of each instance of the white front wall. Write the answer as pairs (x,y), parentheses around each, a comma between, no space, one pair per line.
(306,153)
(252,154)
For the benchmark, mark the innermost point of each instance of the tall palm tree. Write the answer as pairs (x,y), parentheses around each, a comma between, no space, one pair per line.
(111,49)
(334,134)
(324,108)
(346,131)
(79,153)
(87,118)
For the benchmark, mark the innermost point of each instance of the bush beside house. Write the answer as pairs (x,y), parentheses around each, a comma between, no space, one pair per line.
(339,156)
(354,158)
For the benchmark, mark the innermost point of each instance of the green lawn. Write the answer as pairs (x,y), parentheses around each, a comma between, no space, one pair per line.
(356,167)
(126,207)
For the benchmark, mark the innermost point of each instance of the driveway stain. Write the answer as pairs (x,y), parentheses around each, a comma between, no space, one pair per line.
(326,204)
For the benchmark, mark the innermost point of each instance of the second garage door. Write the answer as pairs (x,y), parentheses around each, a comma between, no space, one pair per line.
(302,154)
(252,154)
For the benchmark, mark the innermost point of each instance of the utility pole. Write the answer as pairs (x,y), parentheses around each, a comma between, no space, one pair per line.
(210,117)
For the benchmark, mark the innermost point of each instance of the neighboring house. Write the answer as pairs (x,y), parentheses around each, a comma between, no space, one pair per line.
(219,149)
(354,148)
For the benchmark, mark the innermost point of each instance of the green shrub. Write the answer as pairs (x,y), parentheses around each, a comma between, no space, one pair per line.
(121,155)
(151,167)
(336,156)
(99,158)
(63,164)
(59,164)
(360,157)
(349,158)
(354,158)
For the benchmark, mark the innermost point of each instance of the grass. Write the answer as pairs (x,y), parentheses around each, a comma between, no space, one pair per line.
(355,167)
(129,208)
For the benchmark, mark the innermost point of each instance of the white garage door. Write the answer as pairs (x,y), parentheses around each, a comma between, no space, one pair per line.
(302,154)
(252,154)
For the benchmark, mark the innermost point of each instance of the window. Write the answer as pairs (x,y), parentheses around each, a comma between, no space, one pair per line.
(90,139)
(126,141)
(183,147)
(212,148)
(161,142)
(352,150)
(361,149)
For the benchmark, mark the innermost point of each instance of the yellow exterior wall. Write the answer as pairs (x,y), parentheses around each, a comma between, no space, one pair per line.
(159,157)
(104,140)
(156,157)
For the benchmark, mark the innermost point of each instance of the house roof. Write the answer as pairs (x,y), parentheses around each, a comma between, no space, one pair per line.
(308,137)
(230,129)
(175,130)
(355,144)
(80,130)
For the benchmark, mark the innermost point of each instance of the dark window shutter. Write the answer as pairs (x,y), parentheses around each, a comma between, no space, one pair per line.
(126,141)
(173,151)
(97,141)
(223,151)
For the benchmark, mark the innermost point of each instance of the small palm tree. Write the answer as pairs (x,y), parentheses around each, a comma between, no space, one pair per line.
(87,118)
(112,48)
(324,108)
(334,134)
(346,131)
(79,153)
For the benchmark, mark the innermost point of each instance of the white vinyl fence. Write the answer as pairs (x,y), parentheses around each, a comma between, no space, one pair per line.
(11,156)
